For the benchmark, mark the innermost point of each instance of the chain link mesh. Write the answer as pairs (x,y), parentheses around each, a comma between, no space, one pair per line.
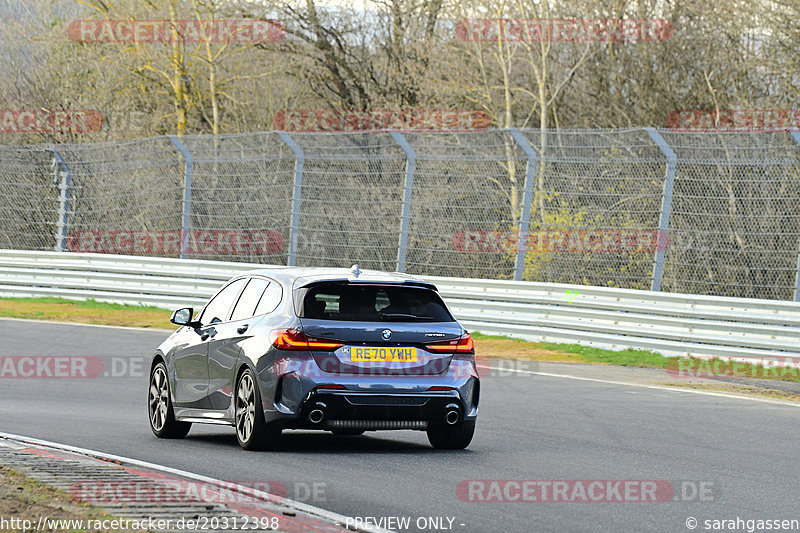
(604,182)
(29,185)
(124,196)
(734,216)
(350,210)
(467,192)
(735,220)
(241,197)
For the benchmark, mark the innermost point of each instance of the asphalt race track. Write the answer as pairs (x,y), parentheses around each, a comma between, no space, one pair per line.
(530,428)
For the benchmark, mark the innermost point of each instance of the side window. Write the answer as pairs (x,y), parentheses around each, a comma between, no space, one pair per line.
(246,305)
(270,299)
(218,308)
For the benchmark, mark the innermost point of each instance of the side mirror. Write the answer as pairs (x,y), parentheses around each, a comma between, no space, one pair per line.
(182,317)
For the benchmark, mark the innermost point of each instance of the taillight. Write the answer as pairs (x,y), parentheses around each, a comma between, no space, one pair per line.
(461,346)
(291,339)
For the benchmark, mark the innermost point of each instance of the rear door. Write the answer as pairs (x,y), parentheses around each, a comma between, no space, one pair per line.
(384,329)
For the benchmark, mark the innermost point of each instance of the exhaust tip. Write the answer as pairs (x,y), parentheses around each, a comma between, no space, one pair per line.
(451,417)
(316,416)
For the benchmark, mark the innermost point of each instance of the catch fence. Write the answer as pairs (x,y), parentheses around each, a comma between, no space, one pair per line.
(712,213)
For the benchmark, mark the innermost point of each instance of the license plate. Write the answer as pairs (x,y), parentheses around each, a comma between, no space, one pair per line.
(383,354)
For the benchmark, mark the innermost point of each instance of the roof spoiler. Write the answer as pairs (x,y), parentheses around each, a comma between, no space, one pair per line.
(420,283)
(408,283)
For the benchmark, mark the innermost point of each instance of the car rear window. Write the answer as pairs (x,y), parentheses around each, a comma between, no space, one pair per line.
(371,303)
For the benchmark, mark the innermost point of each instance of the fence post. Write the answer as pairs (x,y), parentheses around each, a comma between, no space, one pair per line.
(61,170)
(408,189)
(297,192)
(187,193)
(666,208)
(527,199)
(796,137)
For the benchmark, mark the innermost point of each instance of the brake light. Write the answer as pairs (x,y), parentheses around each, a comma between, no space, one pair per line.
(437,388)
(291,339)
(461,346)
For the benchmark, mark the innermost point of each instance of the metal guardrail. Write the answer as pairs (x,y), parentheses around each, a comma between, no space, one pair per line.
(672,324)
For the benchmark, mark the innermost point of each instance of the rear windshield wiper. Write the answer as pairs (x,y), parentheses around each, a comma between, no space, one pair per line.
(406,315)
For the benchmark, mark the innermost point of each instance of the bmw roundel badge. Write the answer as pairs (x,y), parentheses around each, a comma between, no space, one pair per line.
(387,334)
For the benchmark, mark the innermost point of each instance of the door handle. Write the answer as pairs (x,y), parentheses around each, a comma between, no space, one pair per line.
(208,333)
(242,329)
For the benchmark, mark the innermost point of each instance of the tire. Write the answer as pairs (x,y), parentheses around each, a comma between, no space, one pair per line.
(159,407)
(455,437)
(348,432)
(252,432)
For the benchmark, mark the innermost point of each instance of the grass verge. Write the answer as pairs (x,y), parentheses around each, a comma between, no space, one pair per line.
(24,499)
(739,389)
(86,312)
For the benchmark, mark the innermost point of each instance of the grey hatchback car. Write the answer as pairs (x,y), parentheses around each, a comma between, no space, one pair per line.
(339,350)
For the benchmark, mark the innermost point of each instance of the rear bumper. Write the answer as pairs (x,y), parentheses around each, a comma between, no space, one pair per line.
(377,409)
(289,397)
(348,409)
